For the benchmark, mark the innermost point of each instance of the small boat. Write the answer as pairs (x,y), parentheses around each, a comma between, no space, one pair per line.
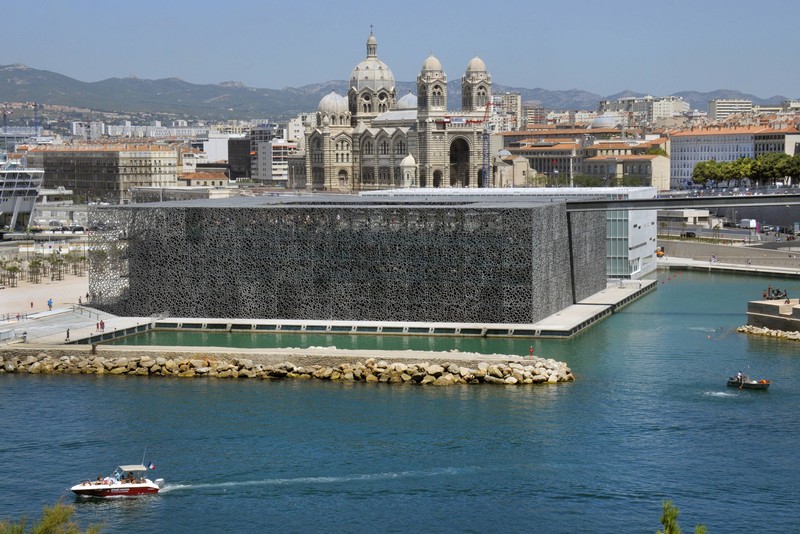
(745,382)
(118,484)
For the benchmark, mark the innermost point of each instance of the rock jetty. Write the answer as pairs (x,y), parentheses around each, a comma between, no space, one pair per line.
(530,371)
(762,331)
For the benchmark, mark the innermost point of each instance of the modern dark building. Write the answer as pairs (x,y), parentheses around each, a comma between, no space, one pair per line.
(319,257)
(239,157)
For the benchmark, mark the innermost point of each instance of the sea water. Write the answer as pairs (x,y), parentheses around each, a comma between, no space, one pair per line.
(648,418)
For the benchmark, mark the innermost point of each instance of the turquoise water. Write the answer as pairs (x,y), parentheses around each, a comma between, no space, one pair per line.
(648,418)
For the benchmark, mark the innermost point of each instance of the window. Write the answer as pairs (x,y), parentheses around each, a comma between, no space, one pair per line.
(384,147)
(481,100)
(437,97)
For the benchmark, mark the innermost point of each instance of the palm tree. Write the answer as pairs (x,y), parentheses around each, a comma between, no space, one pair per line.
(35,270)
(12,270)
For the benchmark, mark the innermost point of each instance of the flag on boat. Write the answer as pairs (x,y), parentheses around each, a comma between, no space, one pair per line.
(151,465)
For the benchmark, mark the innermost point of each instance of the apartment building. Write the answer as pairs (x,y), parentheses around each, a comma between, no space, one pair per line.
(534,115)
(507,112)
(720,108)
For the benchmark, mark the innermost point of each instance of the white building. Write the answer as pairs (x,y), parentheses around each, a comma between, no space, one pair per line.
(296,129)
(216,146)
(721,144)
(719,108)
(690,147)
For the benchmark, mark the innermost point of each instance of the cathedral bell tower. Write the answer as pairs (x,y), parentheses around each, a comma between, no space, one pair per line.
(476,86)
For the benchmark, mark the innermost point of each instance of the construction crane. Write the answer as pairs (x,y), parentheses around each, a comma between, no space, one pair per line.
(486,145)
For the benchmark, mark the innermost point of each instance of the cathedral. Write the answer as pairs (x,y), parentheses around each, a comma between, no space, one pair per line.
(371,139)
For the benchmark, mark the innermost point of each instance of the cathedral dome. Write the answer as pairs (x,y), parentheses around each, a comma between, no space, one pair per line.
(431,64)
(476,64)
(372,73)
(334,103)
(409,101)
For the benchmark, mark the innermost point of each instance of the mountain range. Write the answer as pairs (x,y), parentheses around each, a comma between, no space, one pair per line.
(233,100)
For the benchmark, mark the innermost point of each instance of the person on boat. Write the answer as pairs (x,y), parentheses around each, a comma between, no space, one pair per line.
(740,377)
(99,479)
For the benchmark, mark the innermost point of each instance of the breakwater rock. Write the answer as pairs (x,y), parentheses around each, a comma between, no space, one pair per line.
(761,331)
(530,371)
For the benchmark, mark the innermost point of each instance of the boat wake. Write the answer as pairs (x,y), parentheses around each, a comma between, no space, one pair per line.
(315,480)
(719,394)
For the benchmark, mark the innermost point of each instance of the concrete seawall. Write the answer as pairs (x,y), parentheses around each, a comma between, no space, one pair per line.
(324,364)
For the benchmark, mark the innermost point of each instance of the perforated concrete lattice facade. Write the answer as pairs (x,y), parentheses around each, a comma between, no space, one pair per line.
(350,258)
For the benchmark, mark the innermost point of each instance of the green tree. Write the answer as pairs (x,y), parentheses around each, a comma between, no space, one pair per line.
(772,167)
(742,168)
(794,166)
(669,520)
(56,519)
(705,170)
(656,151)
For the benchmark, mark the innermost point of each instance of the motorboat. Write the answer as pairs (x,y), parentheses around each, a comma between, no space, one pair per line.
(745,382)
(125,481)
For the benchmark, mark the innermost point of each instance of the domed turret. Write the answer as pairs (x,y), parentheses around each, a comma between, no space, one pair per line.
(372,86)
(372,73)
(476,65)
(333,102)
(431,64)
(407,102)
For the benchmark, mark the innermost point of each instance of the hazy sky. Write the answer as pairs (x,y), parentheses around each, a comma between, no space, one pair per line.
(599,46)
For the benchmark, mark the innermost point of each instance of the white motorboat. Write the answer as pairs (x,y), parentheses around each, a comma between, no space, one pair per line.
(126,481)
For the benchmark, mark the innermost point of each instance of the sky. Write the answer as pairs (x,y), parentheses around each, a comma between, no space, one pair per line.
(604,47)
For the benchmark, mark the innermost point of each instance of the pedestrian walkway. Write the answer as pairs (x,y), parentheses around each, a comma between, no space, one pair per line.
(691,264)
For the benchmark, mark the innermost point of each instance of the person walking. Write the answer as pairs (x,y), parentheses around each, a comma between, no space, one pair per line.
(67,335)
(50,304)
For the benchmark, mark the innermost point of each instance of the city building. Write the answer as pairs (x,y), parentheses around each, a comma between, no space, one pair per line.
(790,106)
(273,158)
(720,108)
(647,109)
(506,114)
(784,140)
(534,115)
(689,147)
(106,173)
(261,152)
